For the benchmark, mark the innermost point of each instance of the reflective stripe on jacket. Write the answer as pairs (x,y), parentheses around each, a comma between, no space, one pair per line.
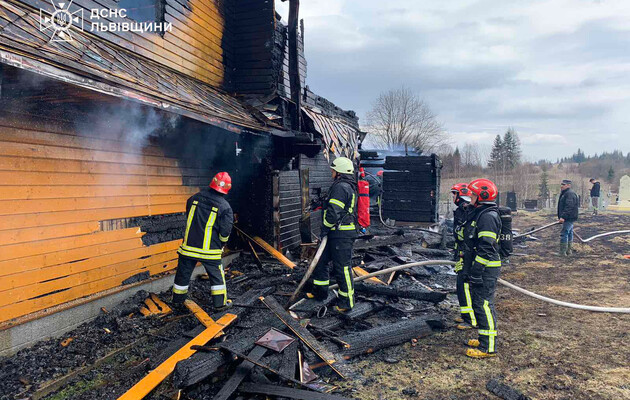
(481,233)
(340,212)
(208,226)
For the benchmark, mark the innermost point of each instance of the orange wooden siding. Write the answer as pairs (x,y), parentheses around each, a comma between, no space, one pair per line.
(55,187)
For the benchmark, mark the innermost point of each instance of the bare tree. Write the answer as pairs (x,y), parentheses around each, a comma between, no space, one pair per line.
(400,117)
(471,156)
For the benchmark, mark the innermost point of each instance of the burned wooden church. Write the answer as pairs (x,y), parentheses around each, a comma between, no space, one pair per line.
(104,134)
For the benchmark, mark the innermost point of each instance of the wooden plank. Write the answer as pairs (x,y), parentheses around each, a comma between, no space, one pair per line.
(16,235)
(67,153)
(36,262)
(10,163)
(280,391)
(241,373)
(26,307)
(43,247)
(12,192)
(95,265)
(201,315)
(61,178)
(118,145)
(31,291)
(155,377)
(361,272)
(322,352)
(22,221)
(13,207)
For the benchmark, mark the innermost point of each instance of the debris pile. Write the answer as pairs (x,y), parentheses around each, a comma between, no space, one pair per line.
(298,352)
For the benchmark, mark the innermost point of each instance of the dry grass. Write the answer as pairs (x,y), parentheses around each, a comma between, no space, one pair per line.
(545,351)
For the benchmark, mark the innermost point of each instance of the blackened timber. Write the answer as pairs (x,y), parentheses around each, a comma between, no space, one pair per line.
(241,373)
(386,241)
(294,67)
(374,339)
(433,297)
(503,391)
(289,360)
(301,332)
(361,310)
(273,390)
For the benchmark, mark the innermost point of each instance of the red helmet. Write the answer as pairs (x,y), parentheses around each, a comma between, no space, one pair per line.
(485,189)
(221,182)
(461,189)
(379,173)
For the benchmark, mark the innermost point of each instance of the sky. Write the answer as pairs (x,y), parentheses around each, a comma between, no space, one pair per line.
(557,71)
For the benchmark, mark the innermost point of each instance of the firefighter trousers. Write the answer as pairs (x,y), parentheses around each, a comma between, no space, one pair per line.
(214,268)
(483,306)
(339,251)
(464,296)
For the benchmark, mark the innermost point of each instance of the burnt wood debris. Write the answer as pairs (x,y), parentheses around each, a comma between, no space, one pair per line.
(232,365)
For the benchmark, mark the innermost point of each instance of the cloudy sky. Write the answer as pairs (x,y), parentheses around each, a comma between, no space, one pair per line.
(558,71)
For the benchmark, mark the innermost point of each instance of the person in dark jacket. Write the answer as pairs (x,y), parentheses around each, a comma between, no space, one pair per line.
(595,194)
(567,214)
(461,199)
(483,263)
(208,226)
(339,225)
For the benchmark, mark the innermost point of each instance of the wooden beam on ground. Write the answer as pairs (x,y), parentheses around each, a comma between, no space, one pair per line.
(433,297)
(309,340)
(155,377)
(261,365)
(289,360)
(374,339)
(361,272)
(201,315)
(268,248)
(241,373)
(273,390)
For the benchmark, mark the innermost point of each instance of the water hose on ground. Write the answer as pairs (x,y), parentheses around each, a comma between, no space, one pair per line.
(601,235)
(501,281)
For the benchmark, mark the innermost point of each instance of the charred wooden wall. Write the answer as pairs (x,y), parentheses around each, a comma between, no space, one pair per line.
(78,179)
(411,187)
(256,51)
(290,209)
(320,179)
(196,46)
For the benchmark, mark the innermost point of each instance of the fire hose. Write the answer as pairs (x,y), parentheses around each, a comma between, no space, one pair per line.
(501,281)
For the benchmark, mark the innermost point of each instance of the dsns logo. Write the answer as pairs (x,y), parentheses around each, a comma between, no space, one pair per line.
(60,21)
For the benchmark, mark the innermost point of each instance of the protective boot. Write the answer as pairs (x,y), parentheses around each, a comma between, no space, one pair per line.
(459,320)
(472,343)
(563,249)
(569,249)
(464,326)
(228,304)
(476,353)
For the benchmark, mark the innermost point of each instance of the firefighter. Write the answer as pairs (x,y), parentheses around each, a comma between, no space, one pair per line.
(568,204)
(208,226)
(339,225)
(462,200)
(482,264)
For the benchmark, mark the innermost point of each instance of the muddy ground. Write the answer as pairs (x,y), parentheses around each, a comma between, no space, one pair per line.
(545,351)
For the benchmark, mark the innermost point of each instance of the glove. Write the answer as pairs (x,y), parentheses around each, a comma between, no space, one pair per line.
(459,265)
(475,280)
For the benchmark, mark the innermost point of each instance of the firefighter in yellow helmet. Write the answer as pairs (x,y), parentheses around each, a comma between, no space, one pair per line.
(339,224)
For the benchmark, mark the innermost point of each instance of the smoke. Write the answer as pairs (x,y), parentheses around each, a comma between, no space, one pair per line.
(128,122)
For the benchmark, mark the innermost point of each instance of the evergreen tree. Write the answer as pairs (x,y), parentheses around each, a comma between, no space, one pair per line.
(496,155)
(611,174)
(544,185)
(511,149)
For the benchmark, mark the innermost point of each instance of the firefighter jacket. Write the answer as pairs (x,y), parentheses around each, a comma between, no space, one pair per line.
(208,226)
(459,219)
(481,234)
(568,205)
(340,210)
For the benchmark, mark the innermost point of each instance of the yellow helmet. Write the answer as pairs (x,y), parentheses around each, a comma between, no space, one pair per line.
(343,165)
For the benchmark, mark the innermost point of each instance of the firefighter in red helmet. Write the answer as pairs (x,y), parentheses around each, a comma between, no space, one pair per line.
(208,225)
(482,263)
(461,198)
